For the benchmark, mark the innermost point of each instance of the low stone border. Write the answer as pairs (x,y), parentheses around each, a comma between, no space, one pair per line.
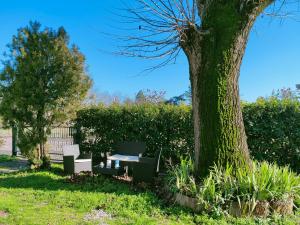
(187,202)
(283,207)
(260,209)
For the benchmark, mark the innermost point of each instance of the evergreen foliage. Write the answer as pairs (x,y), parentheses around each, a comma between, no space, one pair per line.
(42,82)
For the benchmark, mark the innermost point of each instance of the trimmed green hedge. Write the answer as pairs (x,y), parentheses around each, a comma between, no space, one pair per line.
(272,127)
(161,127)
(273,131)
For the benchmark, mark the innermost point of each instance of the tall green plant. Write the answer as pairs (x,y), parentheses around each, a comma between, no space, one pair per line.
(42,82)
(263,182)
(181,177)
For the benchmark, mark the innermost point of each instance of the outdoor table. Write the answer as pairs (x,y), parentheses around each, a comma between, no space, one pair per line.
(124,158)
(112,169)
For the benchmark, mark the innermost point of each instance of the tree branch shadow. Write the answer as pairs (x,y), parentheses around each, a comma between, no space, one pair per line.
(55,180)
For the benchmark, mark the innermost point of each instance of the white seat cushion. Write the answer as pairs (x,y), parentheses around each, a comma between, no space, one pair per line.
(125,158)
(83,160)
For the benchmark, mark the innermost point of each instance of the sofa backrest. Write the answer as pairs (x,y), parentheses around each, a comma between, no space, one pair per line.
(130,148)
(71,150)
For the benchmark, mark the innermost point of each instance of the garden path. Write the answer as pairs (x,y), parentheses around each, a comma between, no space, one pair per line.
(13,166)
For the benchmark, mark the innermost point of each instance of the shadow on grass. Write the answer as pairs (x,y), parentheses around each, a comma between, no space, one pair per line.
(45,180)
(5,158)
(54,180)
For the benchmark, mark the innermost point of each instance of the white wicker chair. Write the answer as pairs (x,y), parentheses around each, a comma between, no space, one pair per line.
(73,163)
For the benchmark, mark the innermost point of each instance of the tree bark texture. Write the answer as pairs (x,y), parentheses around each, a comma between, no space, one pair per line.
(215,52)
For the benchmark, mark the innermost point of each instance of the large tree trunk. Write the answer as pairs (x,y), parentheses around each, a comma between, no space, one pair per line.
(215,54)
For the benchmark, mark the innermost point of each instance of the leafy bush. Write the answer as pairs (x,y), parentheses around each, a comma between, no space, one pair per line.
(263,182)
(272,127)
(273,130)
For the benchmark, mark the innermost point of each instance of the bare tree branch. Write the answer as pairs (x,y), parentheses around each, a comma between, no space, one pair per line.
(158,28)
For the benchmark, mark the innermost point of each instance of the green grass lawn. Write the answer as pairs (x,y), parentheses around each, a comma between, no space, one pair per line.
(46,197)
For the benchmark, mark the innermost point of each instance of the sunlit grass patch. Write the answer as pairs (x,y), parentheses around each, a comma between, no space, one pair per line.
(48,197)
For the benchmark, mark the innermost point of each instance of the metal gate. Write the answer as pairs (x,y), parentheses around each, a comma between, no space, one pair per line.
(59,137)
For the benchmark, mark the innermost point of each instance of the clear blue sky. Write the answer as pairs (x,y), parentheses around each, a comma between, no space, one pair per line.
(271,60)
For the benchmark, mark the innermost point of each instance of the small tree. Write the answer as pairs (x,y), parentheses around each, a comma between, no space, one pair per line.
(176,100)
(149,96)
(42,82)
(140,97)
(285,93)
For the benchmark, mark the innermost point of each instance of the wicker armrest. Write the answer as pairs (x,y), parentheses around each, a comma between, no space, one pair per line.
(69,163)
(144,170)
